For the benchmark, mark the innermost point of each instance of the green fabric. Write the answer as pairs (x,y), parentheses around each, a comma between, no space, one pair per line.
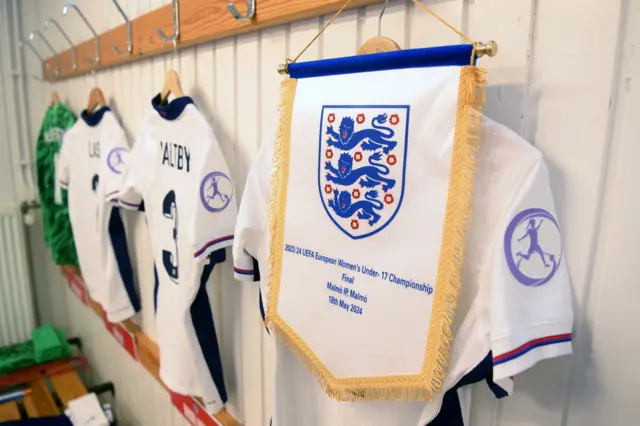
(47,344)
(16,357)
(55,217)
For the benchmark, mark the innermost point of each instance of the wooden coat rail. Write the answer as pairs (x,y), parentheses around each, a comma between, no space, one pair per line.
(201,21)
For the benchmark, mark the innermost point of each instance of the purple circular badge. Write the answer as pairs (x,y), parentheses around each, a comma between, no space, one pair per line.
(115,160)
(533,247)
(216,191)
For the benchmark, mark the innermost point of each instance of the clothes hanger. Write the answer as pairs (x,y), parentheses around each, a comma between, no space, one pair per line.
(171,86)
(96,98)
(378,44)
(54,99)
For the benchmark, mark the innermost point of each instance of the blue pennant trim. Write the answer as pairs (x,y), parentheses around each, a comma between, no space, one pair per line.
(95,118)
(456,55)
(173,109)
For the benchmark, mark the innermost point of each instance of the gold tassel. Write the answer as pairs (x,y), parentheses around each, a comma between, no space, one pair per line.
(278,196)
(468,130)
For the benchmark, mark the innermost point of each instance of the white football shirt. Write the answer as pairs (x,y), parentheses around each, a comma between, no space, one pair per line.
(86,159)
(177,169)
(514,309)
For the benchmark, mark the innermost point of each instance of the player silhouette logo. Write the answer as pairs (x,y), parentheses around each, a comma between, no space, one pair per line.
(116,160)
(216,191)
(533,247)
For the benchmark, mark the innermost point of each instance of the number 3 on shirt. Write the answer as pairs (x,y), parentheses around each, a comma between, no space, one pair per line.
(170,211)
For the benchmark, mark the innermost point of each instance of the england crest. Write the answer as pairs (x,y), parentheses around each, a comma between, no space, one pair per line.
(361,165)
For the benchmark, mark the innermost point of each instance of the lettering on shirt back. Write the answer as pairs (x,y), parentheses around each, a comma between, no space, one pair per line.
(176,156)
(94,149)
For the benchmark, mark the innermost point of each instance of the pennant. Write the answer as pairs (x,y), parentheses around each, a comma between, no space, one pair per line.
(371,186)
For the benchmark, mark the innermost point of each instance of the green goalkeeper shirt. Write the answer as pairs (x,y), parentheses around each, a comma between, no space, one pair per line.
(55,216)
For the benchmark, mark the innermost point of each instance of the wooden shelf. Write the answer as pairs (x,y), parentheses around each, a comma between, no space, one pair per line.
(201,21)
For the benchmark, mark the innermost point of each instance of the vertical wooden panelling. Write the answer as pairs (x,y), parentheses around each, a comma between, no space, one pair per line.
(273,51)
(603,385)
(7,192)
(508,75)
(571,115)
(205,81)
(340,38)
(225,293)
(249,340)
(12,151)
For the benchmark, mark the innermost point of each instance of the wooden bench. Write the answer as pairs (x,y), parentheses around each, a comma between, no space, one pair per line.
(41,402)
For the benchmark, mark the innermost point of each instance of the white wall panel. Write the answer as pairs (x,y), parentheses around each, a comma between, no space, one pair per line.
(604,379)
(555,82)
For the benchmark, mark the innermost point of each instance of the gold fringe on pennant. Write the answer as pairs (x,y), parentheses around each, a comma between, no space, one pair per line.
(468,130)
(422,387)
(278,196)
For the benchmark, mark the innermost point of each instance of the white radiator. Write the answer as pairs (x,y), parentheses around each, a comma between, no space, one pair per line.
(17,311)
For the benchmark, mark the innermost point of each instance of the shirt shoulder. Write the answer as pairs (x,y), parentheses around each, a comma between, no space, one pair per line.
(74,132)
(504,160)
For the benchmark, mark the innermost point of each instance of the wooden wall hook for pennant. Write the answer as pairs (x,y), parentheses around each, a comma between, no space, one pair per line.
(377,45)
(96,97)
(171,86)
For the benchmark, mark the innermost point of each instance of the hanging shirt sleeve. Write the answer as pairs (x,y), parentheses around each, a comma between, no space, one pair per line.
(113,164)
(249,230)
(214,206)
(531,303)
(62,164)
(132,177)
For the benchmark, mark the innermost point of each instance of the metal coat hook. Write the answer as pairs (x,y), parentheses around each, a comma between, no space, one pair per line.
(32,37)
(251,10)
(384,8)
(173,55)
(35,52)
(65,11)
(73,48)
(176,26)
(129,43)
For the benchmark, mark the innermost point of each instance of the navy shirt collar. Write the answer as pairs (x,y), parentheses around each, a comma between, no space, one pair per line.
(173,109)
(95,118)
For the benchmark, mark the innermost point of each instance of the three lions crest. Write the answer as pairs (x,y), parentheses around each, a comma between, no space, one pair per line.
(361,166)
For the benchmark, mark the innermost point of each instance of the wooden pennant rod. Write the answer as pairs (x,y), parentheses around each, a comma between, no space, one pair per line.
(200,21)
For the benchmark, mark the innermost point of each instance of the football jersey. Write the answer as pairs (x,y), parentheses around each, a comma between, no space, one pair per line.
(99,231)
(55,214)
(514,309)
(177,169)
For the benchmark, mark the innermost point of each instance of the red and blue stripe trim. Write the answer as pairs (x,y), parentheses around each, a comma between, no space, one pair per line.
(529,346)
(211,243)
(243,271)
(111,194)
(129,205)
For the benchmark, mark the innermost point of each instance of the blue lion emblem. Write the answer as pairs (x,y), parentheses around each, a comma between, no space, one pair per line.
(369,176)
(366,209)
(378,137)
(361,165)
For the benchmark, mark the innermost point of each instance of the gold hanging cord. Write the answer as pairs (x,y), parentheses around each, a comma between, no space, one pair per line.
(479,49)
